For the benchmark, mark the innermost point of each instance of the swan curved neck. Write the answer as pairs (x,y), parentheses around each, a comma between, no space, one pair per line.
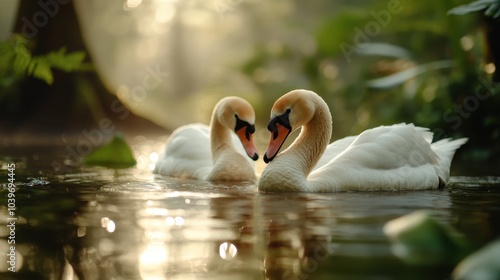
(313,139)
(289,170)
(220,137)
(228,163)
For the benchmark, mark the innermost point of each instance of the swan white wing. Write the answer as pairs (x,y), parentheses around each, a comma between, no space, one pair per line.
(382,158)
(187,153)
(333,150)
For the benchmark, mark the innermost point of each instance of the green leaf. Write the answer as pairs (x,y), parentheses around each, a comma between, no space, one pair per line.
(65,62)
(382,49)
(117,153)
(492,10)
(42,71)
(491,7)
(22,60)
(482,264)
(401,77)
(17,58)
(419,239)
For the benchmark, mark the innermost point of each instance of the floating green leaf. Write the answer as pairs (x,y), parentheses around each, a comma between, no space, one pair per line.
(482,264)
(117,153)
(419,239)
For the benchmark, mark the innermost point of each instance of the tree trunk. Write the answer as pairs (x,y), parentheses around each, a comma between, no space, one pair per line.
(75,101)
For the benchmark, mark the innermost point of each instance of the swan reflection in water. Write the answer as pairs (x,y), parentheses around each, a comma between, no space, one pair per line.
(189,234)
(162,228)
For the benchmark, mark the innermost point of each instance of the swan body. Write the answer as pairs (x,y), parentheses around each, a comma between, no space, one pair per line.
(214,152)
(396,157)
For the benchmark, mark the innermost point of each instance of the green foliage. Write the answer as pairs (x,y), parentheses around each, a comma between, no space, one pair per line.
(116,153)
(17,62)
(417,64)
(491,8)
(330,38)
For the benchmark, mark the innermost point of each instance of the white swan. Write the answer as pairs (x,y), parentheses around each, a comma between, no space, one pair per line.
(214,153)
(397,157)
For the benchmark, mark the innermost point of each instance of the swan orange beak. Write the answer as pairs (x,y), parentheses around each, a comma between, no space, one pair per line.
(246,137)
(278,137)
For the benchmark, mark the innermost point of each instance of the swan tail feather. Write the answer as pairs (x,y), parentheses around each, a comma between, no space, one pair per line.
(445,150)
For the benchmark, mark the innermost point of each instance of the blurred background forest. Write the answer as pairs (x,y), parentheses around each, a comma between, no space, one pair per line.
(149,65)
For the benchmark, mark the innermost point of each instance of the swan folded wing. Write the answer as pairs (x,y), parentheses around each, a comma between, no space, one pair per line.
(382,158)
(344,178)
(187,153)
(334,149)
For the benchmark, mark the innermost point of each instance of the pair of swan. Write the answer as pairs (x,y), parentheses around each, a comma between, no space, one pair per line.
(396,157)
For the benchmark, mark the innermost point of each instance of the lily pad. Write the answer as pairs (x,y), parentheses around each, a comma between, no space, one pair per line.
(116,153)
(419,239)
(483,264)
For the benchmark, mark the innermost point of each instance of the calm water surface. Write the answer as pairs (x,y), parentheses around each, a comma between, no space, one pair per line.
(99,223)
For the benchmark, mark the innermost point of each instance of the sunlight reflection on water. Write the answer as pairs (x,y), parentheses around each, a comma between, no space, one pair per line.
(227,250)
(132,224)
